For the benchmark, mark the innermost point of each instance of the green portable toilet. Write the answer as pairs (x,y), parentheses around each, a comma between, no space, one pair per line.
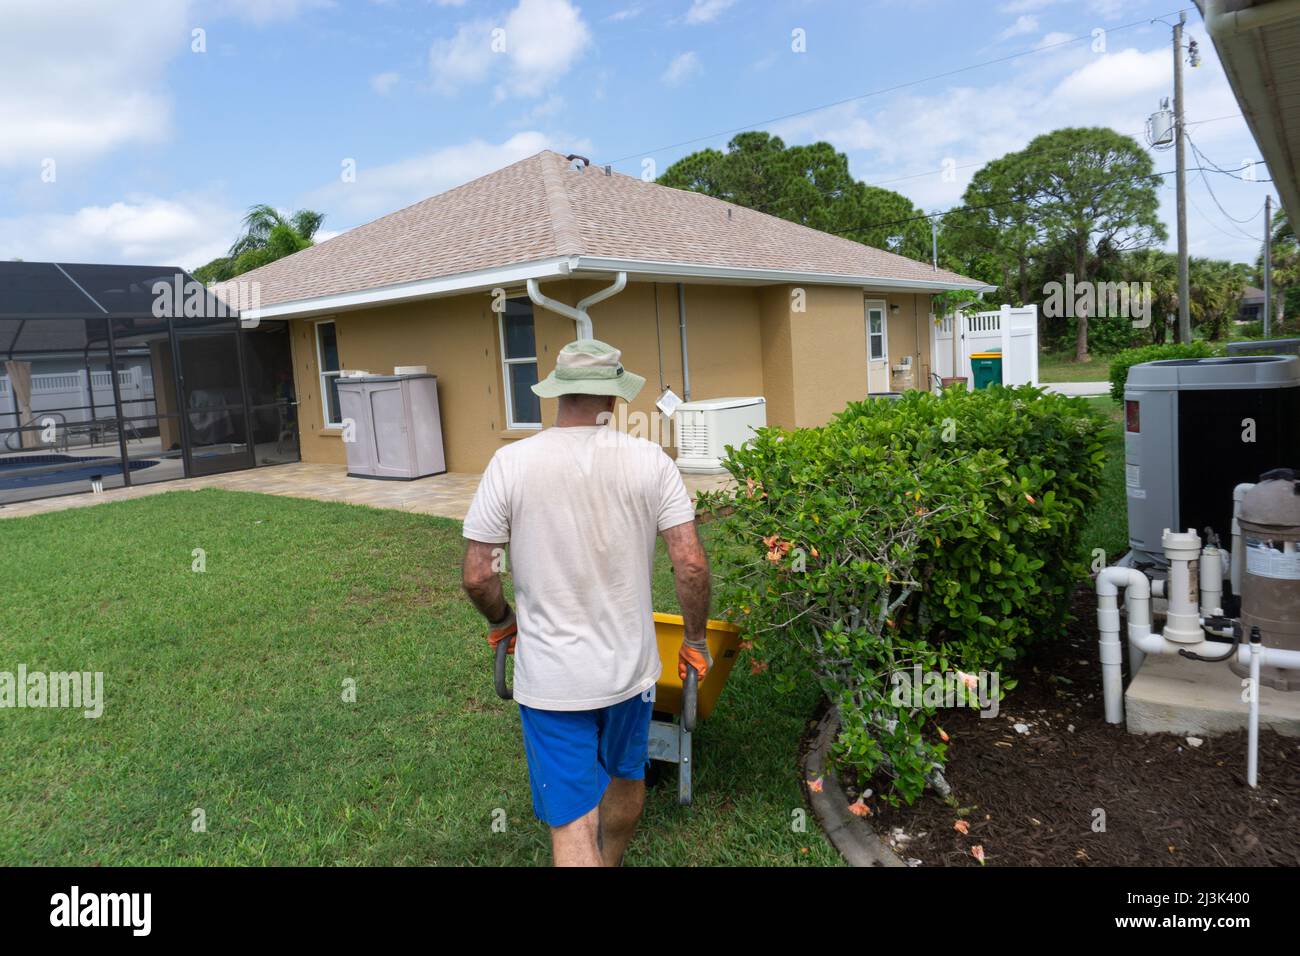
(986,368)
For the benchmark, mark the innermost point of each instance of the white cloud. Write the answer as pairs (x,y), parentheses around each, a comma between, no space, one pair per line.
(906,141)
(82,78)
(464,59)
(383,189)
(1024,24)
(545,38)
(706,11)
(683,67)
(537,44)
(186,231)
(383,83)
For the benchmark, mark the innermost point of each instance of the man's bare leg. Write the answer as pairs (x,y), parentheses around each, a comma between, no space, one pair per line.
(620,809)
(578,843)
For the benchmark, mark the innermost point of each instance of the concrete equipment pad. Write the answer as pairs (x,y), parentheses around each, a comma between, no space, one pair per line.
(1176,696)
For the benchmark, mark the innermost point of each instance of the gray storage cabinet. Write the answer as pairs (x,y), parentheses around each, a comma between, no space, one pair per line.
(398,434)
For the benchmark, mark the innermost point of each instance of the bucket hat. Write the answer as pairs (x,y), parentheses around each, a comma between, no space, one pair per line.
(589,367)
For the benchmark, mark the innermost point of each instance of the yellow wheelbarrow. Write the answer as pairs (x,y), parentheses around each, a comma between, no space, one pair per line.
(677,709)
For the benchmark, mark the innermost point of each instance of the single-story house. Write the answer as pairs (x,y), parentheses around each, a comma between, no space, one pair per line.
(480,284)
(1252,305)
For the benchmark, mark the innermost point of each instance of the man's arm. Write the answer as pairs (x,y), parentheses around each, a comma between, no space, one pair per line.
(691,578)
(482,582)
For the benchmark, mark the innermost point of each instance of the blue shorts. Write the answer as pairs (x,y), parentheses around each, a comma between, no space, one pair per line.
(572,754)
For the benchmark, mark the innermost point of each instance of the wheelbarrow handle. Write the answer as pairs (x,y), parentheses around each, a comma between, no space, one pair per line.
(504,691)
(690,699)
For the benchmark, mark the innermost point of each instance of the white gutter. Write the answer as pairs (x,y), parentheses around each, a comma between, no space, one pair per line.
(1224,23)
(686,270)
(1255,83)
(565,266)
(408,291)
(578,313)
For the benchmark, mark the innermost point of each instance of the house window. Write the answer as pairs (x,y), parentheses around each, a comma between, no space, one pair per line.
(327,360)
(519,365)
(877,344)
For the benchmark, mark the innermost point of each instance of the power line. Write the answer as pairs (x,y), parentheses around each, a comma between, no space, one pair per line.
(1235,234)
(1007,202)
(884,90)
(930,172)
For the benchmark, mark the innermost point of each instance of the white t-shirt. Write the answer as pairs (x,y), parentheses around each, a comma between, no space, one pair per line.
(580,508)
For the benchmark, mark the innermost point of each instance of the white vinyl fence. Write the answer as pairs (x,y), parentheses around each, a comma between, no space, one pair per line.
(72,393)
(1012,331)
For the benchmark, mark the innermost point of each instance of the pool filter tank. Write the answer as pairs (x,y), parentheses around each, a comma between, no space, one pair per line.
(1269,523)
(1194,430)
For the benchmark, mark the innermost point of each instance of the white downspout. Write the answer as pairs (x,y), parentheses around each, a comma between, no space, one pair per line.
(578,313)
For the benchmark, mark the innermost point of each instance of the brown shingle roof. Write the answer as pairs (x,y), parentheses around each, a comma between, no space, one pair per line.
(541,208)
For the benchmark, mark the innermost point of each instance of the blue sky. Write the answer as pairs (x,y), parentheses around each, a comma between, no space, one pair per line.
(140,130)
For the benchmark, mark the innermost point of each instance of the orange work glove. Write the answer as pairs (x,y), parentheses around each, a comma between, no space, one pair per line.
(689,655)
(503,629)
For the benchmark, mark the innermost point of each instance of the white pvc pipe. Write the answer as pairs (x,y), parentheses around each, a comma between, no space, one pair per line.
(1137,595)
(1252,728)
(1211,582)
(579,313)
(1182,623)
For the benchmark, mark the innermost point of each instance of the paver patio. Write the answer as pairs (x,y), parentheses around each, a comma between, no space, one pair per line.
(447,495)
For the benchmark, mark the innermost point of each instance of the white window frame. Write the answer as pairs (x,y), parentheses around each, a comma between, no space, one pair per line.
(505,368)
(883,334)
(323,375)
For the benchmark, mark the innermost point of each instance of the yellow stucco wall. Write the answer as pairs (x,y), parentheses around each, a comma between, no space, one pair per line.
(741,341)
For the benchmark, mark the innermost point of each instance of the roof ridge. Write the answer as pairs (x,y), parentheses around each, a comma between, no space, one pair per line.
(563,220)
(791,222)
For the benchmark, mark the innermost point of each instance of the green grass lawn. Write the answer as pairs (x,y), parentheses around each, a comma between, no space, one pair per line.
(1107,526)
(224,693)
(1063,368)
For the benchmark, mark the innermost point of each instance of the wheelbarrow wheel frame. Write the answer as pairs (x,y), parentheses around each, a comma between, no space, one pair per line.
(670,741)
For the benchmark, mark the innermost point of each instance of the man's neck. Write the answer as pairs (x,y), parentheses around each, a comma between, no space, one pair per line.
(578,421)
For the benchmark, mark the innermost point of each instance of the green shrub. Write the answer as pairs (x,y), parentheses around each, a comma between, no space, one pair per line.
(1108,334)
(939,532)
(1123,361)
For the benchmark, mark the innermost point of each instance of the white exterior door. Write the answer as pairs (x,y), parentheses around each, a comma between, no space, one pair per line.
(877,345)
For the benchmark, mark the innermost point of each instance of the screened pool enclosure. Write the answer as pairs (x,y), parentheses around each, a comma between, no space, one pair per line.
(107,379)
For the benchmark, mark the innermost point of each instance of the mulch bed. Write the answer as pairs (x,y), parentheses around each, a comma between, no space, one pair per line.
(1030,799)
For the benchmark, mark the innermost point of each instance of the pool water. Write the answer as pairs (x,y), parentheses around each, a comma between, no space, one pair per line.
(81,469)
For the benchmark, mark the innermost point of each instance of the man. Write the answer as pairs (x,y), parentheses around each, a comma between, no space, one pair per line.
(580,505)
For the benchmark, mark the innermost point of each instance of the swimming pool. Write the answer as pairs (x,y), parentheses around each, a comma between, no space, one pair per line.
(37,470)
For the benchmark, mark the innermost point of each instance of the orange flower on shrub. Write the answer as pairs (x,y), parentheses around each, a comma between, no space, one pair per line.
(859,809)
(776,548)
(757,667)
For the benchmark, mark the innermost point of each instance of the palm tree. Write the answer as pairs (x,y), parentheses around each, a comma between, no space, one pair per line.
(268,235)
(265,226)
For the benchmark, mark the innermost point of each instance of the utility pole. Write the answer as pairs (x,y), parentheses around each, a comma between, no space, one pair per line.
(1184,285)
(1268,264)
(934,242)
